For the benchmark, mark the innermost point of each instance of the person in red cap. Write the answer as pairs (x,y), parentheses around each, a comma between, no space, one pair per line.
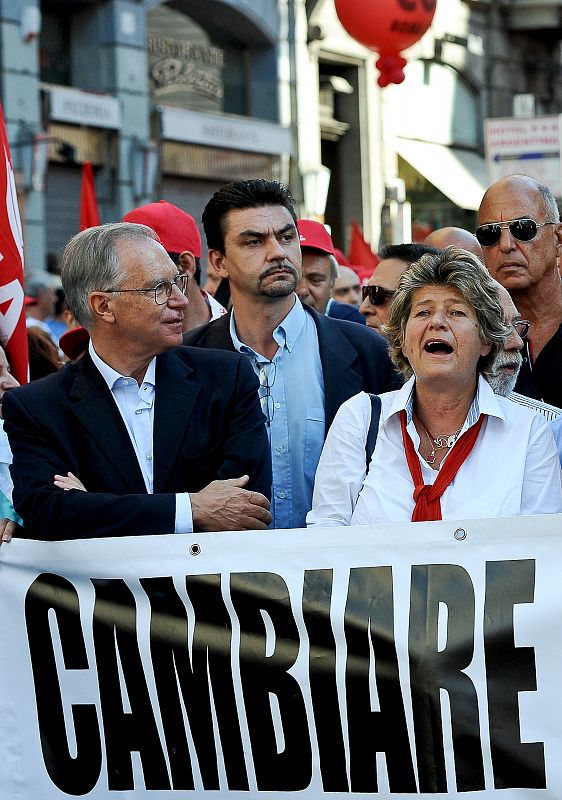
(307,363)
(180,237)
(164,438)
(74,343)
(377,294)
(320,271)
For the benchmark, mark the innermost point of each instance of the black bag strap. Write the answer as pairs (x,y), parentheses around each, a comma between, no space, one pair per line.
(373,429)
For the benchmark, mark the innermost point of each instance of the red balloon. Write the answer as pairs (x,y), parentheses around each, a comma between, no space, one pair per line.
(387,26)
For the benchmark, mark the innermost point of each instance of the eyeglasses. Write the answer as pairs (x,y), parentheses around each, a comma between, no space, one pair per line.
(162,290)
(377,294)
(521,327)
(524,230)
(266,375)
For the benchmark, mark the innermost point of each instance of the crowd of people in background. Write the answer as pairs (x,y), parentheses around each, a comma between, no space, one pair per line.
(283,392)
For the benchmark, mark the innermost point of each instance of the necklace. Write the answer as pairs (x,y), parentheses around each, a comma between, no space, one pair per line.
(443,441)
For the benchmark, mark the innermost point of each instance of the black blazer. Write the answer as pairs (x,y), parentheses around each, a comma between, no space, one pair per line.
(208,424)
(345,311)
(354,358)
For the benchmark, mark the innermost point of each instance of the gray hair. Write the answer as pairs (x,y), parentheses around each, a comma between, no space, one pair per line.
(333,267)
(462,270)
(39,282)
(90,263)
(550,204)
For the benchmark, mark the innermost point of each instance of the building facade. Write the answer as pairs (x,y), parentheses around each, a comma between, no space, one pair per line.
(165,99)
(172,98)
(410,158)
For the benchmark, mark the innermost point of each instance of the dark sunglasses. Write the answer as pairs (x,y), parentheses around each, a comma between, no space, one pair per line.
(377,294)
(524,230)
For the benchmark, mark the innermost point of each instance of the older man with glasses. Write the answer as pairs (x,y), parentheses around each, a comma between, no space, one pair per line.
(156,438)
(520,234)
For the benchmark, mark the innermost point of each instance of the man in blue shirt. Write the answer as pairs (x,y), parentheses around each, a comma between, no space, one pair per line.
(307,364)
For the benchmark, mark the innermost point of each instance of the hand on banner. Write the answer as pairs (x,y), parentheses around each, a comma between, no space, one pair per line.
(227,506)
(69,481)
(7,528)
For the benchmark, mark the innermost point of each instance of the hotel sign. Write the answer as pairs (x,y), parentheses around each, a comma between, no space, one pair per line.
(528,146)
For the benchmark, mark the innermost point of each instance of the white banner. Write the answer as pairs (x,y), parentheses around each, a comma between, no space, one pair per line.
(398,660)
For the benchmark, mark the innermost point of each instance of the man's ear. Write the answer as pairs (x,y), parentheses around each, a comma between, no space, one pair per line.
(101,306)
(187,263)
(217,259)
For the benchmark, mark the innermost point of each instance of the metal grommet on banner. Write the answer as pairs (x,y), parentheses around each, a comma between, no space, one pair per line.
(195,550)
(460,534)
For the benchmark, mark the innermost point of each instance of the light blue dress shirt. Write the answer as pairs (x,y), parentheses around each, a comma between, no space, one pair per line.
(136,406)
(292,392)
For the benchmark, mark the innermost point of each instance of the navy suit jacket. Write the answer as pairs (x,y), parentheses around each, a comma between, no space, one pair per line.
(208,424)
(354,358)
(345,311)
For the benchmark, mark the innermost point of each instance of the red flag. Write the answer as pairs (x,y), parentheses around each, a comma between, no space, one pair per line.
(13,333)
(359,251)
(89,214)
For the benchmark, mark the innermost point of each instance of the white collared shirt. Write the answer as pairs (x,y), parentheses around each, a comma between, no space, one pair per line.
(136,406)
(513,468)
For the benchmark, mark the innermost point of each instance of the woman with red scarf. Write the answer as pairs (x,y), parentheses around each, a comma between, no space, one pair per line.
(447,447)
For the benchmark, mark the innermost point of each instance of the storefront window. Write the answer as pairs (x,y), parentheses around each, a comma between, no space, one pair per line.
(430,208)
(54,46)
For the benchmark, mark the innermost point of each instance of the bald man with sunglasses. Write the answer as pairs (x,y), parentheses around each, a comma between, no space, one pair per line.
(521,235)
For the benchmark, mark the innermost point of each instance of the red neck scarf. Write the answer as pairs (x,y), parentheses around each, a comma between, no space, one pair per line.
(427,498)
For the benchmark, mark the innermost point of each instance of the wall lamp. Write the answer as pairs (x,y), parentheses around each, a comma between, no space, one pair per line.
(144,168)
(31,151)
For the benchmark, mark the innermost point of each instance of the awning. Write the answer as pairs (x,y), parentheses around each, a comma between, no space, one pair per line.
(459,174)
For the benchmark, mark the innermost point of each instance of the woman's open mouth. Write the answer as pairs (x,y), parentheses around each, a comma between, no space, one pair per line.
(438,346)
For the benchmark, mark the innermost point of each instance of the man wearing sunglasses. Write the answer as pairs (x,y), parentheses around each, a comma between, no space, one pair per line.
(395,259)
(164,439)
(521,235)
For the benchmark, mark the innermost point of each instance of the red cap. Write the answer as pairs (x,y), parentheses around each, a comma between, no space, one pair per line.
(363,272)
(314,235)
(342,259)
(176,230)
(74,342)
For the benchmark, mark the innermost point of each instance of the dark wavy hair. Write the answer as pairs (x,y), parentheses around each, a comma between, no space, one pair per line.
(242,194)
